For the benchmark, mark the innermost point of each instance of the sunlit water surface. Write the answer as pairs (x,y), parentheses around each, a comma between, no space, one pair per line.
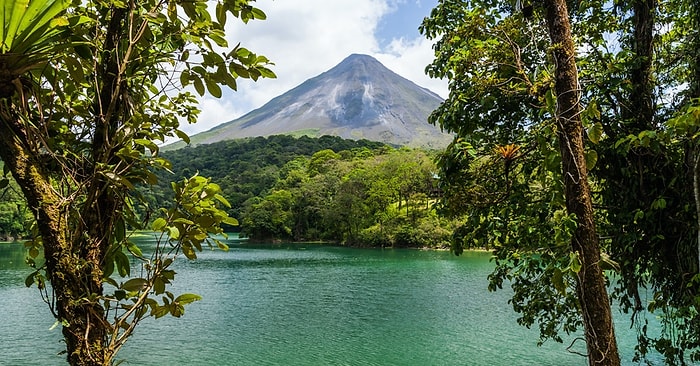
(309,305)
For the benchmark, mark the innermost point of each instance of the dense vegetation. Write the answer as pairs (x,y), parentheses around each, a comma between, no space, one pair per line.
(246,168)
(359,193)
(615,85)
(87,92)
(15,219)
(355,192)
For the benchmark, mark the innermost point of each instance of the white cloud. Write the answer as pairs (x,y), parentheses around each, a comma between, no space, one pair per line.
(307,37)
(409,58)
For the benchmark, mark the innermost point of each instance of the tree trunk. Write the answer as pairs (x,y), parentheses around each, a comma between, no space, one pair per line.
(694,149)
(591,289)
(75,250)
(70,276)
(696,195)
(639,113)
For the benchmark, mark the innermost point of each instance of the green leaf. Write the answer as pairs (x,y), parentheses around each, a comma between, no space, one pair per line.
(187,298)
(658,204)
(108,268)
(134,249)
(213,88)
(223,200)
(34,252)
(122,263)
(83,51)
(591,158)
(158,286)
(150,145)
(267,73)
(29,281)
(174,232)
(182,220)
(230,221)
(160,311)
(595,132)
(134,284)
(219,40)
(120,294)
(183,136)
(185,78)
(189,252)
(574,262)
(119,230)
(176,310)
(221,13)
(59,22)
(638,215)
(159,224)
(198,85)
(222,245)
(258,14)
(205,221)
(558,281)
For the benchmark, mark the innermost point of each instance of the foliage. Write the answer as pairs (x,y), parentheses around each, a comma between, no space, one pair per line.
(88,90)
(15,218)
(356,192)
(355,201)
(638,77)
(247,168)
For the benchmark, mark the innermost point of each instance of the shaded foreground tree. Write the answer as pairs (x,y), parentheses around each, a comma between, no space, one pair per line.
(87,90)
(507,74)
(591,286)
(637,107)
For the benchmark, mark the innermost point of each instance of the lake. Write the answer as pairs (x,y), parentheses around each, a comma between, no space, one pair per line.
(294,304)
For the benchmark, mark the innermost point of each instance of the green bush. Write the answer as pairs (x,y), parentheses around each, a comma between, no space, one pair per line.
(374,236)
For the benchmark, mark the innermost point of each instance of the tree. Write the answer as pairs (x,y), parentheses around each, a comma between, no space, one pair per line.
(87,91)
(637,67)
(591,286)
(269,217)
(501,85)
(633,86)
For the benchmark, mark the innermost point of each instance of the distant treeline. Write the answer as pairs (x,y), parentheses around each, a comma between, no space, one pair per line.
(356,192)
(246,168)
(15,219)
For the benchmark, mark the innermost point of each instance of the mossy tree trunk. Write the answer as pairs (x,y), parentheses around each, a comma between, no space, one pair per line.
(83,106)
(73,268)
(75,233)
(591,289)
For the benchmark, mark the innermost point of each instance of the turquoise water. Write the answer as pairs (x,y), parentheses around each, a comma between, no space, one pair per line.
(308,305)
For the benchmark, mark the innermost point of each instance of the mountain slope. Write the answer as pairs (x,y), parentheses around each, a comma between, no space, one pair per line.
(359,98)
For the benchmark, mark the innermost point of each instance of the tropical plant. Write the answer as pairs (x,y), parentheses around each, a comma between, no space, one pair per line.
(638,67)
(28,36)
(89,89)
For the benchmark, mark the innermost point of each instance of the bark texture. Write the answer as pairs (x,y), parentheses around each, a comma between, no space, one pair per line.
(75,228)
(591,289)
(70,274)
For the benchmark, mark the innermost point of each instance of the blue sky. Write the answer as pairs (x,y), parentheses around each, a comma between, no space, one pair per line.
(307,37)
(403,20)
